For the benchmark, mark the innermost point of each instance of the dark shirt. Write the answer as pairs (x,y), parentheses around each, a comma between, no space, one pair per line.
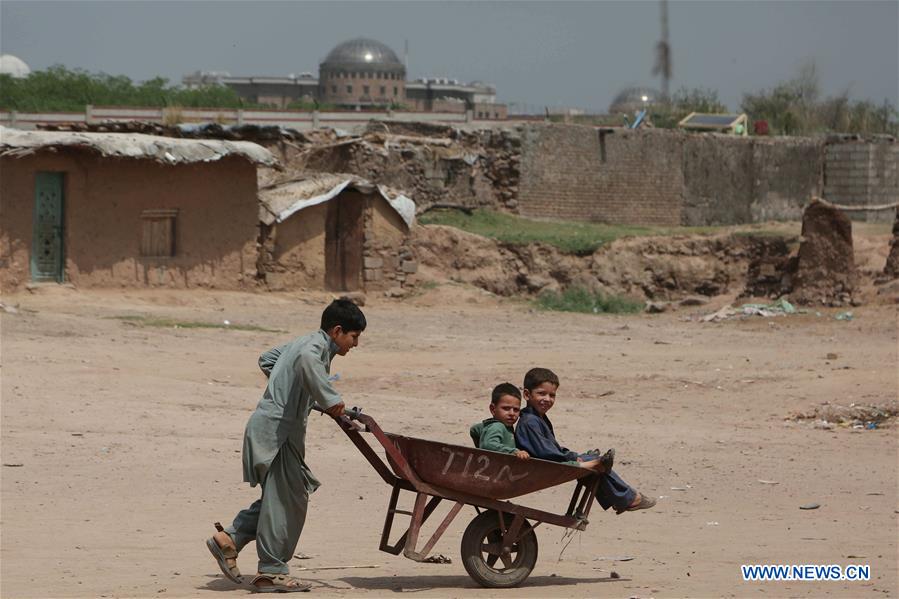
(535,435)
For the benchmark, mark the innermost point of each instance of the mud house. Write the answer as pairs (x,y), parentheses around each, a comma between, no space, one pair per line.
(109,209)
(335,231)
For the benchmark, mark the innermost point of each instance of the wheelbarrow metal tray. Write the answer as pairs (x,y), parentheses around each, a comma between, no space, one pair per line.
(479,472)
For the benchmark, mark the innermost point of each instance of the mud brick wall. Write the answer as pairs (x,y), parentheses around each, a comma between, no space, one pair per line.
(859,173)
(580,173)
(735,180)
(659,177)
(788,171)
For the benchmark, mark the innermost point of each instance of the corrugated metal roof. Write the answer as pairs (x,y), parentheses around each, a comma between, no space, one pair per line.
(279,202)
(167,150)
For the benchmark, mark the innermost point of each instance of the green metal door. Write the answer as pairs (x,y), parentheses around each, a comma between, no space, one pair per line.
(47,246)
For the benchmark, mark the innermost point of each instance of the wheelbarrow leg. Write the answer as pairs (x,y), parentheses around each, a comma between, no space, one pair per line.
(421,555)
(423,511)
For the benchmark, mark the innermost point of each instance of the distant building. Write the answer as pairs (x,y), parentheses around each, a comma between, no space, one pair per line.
(13,65)
(361,73)
(117,210)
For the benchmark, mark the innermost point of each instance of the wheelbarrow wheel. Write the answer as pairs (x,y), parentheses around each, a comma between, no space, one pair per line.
(483,557)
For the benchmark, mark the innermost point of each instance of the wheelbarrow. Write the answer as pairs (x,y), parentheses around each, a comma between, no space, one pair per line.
(499,547)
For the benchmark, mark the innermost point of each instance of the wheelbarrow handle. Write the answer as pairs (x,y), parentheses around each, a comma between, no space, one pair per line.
(351,413)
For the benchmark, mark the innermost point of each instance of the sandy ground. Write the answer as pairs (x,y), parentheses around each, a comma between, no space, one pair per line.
(120,442)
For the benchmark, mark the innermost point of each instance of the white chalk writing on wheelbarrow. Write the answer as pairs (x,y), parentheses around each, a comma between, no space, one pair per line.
(482,464)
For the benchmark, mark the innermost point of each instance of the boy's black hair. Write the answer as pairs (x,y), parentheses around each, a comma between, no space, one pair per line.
(345,313)
(504,389)
(537,376)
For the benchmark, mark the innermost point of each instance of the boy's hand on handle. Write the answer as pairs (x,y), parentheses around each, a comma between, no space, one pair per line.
(522,454)
(336,411)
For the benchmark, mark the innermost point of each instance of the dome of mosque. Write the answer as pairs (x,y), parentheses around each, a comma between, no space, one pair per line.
(362,52)
(13,65)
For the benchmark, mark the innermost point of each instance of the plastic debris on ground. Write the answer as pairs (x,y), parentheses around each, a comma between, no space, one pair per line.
(779,308)
(843,316)
(828,416)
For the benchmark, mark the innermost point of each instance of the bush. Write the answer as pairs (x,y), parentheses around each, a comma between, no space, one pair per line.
(578,299)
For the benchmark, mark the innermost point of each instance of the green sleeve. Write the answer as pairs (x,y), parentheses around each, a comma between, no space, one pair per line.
(315,379)
(496,438)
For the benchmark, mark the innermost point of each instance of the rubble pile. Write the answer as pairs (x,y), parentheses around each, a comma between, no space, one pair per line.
(825,266)
(870,416)
(821,272)
(433,164)
(658,269)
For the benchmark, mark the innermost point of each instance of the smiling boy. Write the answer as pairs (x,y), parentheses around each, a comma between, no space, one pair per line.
(535,435)
(496,433)
(274,448)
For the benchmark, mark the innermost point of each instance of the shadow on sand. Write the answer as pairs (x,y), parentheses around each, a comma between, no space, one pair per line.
(408,584)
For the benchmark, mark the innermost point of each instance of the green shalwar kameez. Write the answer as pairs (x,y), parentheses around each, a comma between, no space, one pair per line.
(274,448)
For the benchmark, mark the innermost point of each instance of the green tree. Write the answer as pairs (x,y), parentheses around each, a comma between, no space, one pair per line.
(59,88)
(796,107)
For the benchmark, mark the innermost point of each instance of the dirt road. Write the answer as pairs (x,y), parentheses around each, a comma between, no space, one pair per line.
(121,441)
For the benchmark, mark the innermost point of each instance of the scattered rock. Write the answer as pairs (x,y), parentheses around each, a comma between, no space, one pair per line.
(395,292)
(615,574)
(694,300)
(831,356)
(357,297)
(810,506)
(656,307)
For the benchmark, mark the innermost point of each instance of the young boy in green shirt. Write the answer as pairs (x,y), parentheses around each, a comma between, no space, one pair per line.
(496,433)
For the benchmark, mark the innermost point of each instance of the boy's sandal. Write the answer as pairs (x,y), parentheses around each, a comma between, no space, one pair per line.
(645,504)
(221,554)
(608,459)
(280,583)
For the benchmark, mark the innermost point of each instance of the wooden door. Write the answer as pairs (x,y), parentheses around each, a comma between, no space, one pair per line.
(344,235)
(47,239)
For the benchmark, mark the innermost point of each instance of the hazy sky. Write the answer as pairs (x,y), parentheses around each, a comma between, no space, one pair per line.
(574,54)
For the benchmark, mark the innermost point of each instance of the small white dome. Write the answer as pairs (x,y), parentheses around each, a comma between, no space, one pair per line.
(13,65)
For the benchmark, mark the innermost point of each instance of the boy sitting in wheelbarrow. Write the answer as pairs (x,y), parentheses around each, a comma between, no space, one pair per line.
(535,435)
(498,433)
(274,449)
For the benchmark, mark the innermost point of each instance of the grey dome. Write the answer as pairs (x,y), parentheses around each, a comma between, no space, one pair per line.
(630,99)
(362,51)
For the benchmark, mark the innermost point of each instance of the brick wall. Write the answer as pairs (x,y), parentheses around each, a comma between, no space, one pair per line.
(582,173)
(859,173)
(663,177)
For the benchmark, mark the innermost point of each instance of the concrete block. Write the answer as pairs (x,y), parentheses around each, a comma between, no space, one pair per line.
(372,274)
(410,266)
(373,262)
